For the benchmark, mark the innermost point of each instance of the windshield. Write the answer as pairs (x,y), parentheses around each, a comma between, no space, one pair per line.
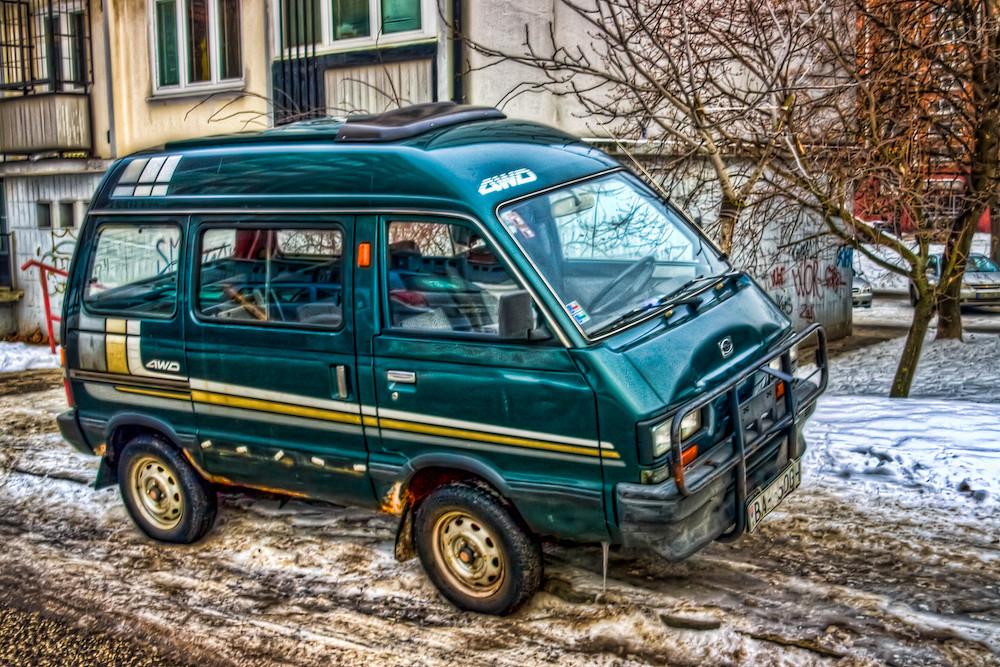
(609,249)
(981,263)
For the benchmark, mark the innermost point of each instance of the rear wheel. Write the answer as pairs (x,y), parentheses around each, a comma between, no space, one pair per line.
(166,498)
(474,551)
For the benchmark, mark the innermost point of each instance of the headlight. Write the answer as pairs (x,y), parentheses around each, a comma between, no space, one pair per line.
(661,434)
(661,439)
(775,364)
(690,424)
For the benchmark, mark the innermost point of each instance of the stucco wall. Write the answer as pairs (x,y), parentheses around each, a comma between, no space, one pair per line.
(144,119)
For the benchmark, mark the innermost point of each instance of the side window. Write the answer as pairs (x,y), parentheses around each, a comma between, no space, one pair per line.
(134,271)
(443,277)
(274,276)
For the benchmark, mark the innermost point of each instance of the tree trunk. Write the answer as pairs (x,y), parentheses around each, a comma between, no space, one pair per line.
(995,231)
(949,293)
(729,214)
(907,367)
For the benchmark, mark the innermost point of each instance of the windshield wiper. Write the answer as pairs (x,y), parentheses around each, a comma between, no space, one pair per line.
(678,297)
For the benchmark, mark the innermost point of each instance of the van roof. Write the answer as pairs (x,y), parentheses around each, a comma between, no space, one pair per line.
(427,156)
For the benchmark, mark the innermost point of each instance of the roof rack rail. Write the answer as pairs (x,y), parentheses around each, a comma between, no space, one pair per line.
(411,121)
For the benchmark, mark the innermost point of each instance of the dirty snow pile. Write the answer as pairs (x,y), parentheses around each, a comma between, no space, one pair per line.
(20,357)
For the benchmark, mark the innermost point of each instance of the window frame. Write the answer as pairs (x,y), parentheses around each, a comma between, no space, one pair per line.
(375,39)
(278,226)
(184,86)
(89,308)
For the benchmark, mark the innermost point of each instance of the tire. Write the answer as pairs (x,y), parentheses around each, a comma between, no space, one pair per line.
(474,551)
(166,498)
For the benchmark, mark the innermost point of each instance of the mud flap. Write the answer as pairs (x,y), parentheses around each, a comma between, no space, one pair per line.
(405,547)
(107,474)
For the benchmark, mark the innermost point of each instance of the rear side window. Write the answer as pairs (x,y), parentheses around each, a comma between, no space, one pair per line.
(134,271)
(272,276)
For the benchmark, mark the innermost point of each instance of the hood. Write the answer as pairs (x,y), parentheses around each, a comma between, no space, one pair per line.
(680,361)
(991,278)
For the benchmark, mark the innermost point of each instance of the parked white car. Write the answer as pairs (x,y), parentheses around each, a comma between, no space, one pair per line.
(980,283)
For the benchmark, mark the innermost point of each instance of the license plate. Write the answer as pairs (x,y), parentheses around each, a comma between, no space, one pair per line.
(764,502)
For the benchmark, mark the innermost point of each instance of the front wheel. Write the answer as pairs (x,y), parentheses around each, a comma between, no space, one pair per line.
(166,498)
(474,551)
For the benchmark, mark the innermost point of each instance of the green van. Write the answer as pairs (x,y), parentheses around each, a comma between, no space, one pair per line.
(483,325)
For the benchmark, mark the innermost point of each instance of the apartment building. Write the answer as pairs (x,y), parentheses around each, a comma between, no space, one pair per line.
(83,82)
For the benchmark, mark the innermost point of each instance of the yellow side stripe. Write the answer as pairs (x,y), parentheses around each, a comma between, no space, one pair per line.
(270,406)
(347,418)
(490,438)
(150,392)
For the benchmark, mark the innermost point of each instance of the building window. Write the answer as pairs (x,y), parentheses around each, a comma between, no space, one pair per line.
(67,214)
(197,43)
(354,23)
(44,213)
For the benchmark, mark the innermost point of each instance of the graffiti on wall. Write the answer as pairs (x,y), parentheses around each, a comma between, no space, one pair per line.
(809,280)
(63,241)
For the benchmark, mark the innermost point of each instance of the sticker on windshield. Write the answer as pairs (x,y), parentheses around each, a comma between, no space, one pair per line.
(502,182)
(576,310)
(515,223)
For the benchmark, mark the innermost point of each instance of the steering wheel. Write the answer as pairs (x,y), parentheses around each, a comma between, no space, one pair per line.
(632,278)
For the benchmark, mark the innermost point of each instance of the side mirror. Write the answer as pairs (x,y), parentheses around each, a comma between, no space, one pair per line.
(517,317)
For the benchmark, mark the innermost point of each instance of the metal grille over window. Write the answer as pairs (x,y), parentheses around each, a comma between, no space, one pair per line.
(291,277)
(44,47)
(444,277)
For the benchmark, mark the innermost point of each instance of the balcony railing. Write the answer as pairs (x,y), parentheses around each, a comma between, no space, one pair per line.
(49,123)
(45,77)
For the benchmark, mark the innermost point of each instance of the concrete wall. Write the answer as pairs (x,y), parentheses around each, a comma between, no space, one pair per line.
(54,246)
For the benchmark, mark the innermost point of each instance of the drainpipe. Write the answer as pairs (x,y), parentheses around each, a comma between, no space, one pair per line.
(457,52)
(112,138)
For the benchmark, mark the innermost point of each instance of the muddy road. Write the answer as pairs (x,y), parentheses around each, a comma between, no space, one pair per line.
(832,578)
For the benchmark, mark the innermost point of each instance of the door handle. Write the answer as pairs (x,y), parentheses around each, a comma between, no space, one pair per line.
(402,377)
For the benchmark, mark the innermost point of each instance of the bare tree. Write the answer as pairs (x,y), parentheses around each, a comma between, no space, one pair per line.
(702,80)
(905,91)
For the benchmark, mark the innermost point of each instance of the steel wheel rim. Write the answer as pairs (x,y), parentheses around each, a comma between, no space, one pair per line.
(157,492)
(470,554)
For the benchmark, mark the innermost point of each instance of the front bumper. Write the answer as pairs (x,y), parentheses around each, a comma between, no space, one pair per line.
(706,500)
(981,296)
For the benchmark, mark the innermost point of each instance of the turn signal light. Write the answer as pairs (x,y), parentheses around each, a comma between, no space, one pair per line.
(364,255)
(689,455)
(779,391)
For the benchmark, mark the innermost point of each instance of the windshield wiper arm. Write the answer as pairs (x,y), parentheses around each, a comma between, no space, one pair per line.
(672,299)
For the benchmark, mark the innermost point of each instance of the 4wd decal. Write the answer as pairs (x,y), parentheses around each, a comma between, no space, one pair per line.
(163,365)
(502,182)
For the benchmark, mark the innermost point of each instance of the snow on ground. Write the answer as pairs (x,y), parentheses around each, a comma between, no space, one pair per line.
(20,357)
(946,449)
(966,370)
